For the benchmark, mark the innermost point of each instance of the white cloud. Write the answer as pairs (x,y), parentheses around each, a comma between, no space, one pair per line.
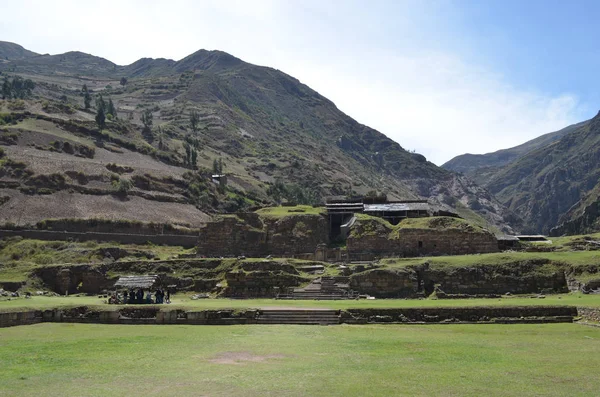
(439,106)
(376,63)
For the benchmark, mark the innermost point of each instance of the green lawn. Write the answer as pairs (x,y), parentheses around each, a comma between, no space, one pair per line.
(184,302)
(370,360)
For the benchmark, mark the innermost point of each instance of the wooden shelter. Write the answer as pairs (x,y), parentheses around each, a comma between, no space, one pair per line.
(133,282)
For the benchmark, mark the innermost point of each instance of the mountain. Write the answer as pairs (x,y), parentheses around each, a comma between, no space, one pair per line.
(482,167)
(276,139)
(12,51)
(545,184)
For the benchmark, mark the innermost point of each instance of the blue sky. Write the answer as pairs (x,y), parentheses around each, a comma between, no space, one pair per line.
(440,77)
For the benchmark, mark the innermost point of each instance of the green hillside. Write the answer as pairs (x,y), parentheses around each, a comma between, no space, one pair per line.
(277,140)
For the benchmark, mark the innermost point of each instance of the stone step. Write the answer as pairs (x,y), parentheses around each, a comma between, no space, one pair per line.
(303,316)
(299,316)
(297,321)
(300,312)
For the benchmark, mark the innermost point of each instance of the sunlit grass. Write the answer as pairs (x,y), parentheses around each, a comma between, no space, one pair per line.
(184,302)
(370,360)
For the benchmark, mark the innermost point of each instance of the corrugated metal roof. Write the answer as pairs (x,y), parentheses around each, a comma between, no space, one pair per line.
(396,207)
(137,281)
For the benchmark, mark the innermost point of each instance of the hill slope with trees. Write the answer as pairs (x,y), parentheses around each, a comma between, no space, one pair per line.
(173,123)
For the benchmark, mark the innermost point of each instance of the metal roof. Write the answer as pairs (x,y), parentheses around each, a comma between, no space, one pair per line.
(507,237)
(396,207)
(137,281)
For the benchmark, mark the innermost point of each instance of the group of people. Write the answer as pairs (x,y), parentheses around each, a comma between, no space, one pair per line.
(138,297)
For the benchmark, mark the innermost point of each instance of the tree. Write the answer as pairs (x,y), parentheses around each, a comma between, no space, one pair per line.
(123,81)
(188,153)
(194,157)
(147,119)
(6,88)
(194,120)
(110,109)
(161,144)
(87,98)
(100,103)
(100,117)
(100,112)
(17,88)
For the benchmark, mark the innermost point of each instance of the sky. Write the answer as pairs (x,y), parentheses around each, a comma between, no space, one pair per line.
(440,77)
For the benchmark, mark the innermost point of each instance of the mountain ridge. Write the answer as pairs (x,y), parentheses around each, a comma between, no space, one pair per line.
(482,167)
(279,138)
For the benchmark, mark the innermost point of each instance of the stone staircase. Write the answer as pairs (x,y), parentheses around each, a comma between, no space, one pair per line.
(324,288)
(299,316)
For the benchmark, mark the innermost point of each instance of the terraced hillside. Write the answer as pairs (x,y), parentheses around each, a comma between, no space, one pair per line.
(275,138)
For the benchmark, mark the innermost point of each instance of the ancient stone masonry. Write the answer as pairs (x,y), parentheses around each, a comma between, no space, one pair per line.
(397,283)
(261,279)
(514,314)
(384,240)
(526,277)
(431,315)
(253,236)
(517,278)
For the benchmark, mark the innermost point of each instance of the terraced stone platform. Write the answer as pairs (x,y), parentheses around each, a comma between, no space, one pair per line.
(299,316)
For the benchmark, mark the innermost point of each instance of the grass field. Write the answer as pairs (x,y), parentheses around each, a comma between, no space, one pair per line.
(373,360)
(184,302)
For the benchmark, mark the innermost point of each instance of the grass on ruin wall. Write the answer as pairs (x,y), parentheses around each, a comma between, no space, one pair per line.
(19,257)
(279,212)
(372,225)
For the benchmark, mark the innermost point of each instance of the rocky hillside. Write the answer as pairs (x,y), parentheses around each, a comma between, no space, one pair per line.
(277,140)
(544,185)
(551,182)
(482,167)
(11,51)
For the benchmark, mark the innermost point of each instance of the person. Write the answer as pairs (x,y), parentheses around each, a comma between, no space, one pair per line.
(124,300)
(140,296)
(148,297)
(168,300)
(131,297)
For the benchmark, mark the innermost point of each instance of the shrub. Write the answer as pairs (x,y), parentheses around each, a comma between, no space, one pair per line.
(122,186)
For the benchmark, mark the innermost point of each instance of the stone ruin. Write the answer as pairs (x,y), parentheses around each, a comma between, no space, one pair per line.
(308,236)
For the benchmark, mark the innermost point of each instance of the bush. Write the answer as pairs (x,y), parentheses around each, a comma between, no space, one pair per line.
(122,186)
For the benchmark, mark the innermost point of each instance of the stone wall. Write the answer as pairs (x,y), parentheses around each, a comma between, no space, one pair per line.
(380,239)
(397,283)
(589,314)
(263,279)
(250,235)
(140,315)
(12,319)
(187,241)
(525,277)
(522,278)
(499,314)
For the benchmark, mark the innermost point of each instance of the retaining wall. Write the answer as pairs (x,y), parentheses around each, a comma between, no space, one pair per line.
(123,238)
(525,314)
(154,315)
(589,313)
